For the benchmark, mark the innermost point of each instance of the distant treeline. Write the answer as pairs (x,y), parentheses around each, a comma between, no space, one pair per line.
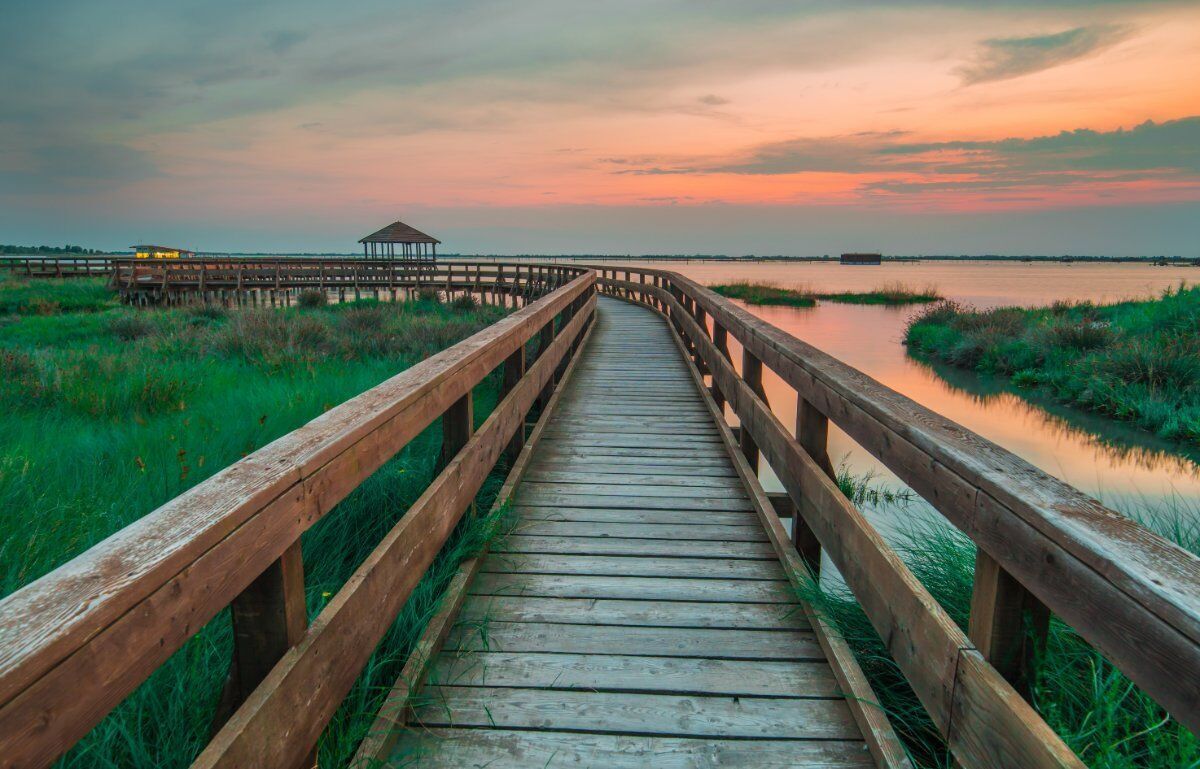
(67,249)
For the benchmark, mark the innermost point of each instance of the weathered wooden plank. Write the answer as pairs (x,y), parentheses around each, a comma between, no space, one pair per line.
(602,672)
(621,465)
(535,489)
(618,515)
(501,749)
(620,530)
(628,713)
(589,611)
(707,460)
(640,547)
(681,478)
(705,643)
(634,588)
(701,568)
(627,440)
(642,502)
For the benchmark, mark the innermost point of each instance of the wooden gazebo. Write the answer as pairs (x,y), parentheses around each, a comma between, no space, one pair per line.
(415,245)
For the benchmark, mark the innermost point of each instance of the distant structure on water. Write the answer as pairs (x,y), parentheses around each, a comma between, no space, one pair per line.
(862,258)
(415,245)
(146,251)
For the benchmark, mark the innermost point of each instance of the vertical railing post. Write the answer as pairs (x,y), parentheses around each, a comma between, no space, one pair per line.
(1007,622)
(268,617)
(752,374)
(812,433)
(545,339)
(514,369)
(721,342)
(457,425)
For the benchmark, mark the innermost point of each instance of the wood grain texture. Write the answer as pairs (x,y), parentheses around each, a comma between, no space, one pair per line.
(924,642)
(286,714)
(389,721)
(703,643)
(633,673)
(504,749)
(630,713)
(1131,593)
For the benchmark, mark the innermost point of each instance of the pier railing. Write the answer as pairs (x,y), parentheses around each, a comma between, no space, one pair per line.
(58,266)
(278,281)
(76,642)
(1042,545)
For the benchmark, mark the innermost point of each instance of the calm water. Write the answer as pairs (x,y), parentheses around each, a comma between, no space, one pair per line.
(1124,466)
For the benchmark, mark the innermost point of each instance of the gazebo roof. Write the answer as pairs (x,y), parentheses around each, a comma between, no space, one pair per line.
(399,232)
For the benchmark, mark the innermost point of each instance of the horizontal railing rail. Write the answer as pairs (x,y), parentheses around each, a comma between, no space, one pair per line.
(1042,545)
(76,642)
(57,266)
(252,280)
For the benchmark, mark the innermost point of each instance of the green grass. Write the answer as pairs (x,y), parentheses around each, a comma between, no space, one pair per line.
(764,294)
(1098,711)
(890,294)
(1133,361)
(110,412)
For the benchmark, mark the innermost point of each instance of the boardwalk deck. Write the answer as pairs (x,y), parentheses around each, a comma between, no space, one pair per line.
(638,614)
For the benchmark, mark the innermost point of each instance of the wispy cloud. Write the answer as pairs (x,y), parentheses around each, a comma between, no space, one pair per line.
(1008,57)
(892,162)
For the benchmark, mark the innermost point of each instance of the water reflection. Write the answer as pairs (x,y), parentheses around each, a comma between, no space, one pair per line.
(1112,440)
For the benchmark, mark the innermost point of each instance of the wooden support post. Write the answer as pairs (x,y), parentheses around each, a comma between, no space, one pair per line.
(812,433)
(514,369)
(721,341)
(269,617)
(457,425)
(752,374)
(1007,623)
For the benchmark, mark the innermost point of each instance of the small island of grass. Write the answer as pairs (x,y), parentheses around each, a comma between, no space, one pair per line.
(891,294)
(1134,361)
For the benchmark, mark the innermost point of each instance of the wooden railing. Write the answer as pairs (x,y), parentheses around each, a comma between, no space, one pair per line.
(58,266)
(1043,546)
(76,642)
(279,280)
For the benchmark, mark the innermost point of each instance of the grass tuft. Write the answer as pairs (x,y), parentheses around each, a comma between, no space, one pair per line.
(1133,361)
(889,294)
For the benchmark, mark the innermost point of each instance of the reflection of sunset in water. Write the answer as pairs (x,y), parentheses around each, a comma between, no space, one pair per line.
(1114,461)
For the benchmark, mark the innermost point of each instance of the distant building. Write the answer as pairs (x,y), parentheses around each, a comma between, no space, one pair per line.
(146,251)
(862,258)
(414,244)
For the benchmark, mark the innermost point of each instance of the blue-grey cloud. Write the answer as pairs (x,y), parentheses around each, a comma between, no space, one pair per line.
(1167,150)
(1008,57)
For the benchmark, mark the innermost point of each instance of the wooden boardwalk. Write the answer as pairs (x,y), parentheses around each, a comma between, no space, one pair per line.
(637,615)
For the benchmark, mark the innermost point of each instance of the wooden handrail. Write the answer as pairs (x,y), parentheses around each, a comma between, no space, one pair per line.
(76,642)
(1129,592)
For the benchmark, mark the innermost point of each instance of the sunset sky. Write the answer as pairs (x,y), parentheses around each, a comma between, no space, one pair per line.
(617,127)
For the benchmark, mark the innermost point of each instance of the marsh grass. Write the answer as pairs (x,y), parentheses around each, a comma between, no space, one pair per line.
(110,412)
(765,294)
(1095,708)
(889,294)
(1133,361)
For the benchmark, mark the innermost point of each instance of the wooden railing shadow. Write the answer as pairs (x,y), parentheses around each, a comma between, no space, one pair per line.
(1042,546)
(76,642)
